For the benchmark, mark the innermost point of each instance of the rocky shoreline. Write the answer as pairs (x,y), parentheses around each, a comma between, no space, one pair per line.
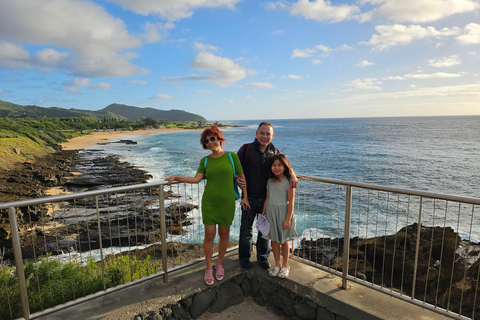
(443,255)
(447,271)
(76,171)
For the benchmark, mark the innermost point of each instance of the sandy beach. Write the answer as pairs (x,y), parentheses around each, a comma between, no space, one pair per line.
(95,137)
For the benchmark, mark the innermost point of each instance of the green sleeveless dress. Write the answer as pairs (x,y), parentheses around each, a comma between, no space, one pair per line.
(218,200)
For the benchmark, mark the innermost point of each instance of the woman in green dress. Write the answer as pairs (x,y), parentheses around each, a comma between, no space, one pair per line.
(218,200)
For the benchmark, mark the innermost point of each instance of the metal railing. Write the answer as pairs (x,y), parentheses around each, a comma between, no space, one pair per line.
(417,246)
(74,247)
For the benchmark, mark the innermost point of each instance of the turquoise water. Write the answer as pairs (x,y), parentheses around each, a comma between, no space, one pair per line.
(434,154)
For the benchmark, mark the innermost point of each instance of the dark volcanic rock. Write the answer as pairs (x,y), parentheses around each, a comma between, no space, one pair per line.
(100,172)
(31,180)
(389,261)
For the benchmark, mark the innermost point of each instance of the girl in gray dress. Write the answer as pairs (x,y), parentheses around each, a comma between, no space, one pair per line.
(278,209)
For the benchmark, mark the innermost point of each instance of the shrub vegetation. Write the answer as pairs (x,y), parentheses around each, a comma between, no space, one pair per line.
(50,282)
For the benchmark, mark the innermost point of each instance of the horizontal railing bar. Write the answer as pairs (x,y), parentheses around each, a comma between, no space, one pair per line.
(30,202)
(395,190)
(65,197)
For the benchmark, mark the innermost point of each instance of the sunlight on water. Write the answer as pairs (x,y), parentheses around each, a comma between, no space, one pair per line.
(409,153)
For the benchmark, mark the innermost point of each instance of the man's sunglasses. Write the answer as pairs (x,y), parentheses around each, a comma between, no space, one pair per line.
(206,141)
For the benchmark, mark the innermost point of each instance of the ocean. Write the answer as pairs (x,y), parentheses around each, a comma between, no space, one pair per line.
(433,154)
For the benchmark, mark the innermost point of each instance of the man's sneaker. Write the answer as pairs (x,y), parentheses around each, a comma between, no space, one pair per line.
(246,263)
(265,265)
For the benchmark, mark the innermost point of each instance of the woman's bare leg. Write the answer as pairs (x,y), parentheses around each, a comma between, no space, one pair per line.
(224,233)
(210,232)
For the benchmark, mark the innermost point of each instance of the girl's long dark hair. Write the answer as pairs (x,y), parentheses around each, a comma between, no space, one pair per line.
(287,171)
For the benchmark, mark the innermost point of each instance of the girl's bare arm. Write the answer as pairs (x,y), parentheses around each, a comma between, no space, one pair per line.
(291,202)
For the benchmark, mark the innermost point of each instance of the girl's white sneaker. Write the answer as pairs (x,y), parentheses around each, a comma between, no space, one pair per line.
(274,272)
(284,272)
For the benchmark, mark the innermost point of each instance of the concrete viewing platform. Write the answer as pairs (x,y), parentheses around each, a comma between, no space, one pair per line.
(308,293)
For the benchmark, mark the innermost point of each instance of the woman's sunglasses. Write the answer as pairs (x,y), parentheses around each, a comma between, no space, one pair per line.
(206,141)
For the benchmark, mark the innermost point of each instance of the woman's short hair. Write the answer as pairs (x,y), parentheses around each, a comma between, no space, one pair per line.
(212,131)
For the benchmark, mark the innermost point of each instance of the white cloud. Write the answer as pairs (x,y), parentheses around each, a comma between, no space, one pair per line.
(344,47)
(172,10)
(397,34)
(364,84)
(445,62)
(421,11)
(12,51)
(74,85)
(322,10)
(431,75)
(294,76)
(472,34)
(160,96)
(305,53)
(155,32)
(316,61)
(277,32)
(141,82)
(394,78)
(94,36)
(279,5)
(298,53)
(460,91)
(224,71)
(102,86)
(364,63)
(225,100)
(204,91)
(2,91)
(51,57)
(260,85)
(14,56)
(202,47)
(248,97)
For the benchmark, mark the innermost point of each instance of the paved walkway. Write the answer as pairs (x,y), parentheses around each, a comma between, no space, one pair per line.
(152,295)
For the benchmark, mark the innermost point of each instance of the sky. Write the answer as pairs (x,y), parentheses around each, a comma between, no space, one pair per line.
(245,59)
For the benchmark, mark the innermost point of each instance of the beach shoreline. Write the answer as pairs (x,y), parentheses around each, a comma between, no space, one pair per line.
(103,136)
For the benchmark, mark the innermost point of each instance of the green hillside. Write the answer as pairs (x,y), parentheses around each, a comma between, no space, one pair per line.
(112,112)
(12,110)
(136,113)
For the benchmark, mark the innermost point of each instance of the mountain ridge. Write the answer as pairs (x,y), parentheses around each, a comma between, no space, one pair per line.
(133,113)
(123,112)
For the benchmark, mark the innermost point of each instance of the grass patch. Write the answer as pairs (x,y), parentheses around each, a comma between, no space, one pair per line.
(51,283)
(20,149)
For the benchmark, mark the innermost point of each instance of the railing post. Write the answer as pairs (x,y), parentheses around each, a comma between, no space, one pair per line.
(100,243)
(346,236)
(17,251)
(417,247)
(163,230)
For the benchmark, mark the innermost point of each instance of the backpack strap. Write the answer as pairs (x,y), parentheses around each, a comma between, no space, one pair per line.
(245,152)
(233,165)
(205,163)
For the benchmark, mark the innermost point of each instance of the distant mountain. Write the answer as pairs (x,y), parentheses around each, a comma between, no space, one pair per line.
(113,111)
(12,110)
(135,113)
